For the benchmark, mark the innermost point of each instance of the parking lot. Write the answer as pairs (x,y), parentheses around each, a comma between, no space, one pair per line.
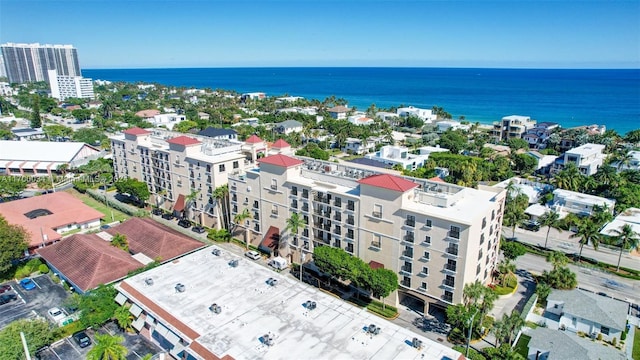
(68,349)
(32,303)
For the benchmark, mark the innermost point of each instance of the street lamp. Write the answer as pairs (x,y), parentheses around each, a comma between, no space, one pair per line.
(470,323)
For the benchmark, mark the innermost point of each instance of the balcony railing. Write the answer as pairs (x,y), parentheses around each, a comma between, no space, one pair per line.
(454,234)
(408,254)
(450,267)
(351,207)
(411,223)
(377,214)
(350,221)
(409,238)
(449,283)
(405,283)
(452,251)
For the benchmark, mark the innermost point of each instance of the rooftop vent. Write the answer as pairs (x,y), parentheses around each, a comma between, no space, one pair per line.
(268,339)
(233,263)
(416,343)
(215,308)
(272,281)
(148,281)
(180,287)
(373,329)
(215,252)
(310,305)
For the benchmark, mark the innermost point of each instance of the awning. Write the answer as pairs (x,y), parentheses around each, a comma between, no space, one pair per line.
(172,338)
(121,299)
(161,330)
(270,240)
(138,324)
(150,319)
(28,165)
(43,165)
(179,206)
(4,163)
(135,310)
(375,265)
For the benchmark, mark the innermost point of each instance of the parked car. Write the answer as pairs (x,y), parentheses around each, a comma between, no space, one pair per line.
(184,223)
(105,227)
(167,216)
(198,229)
(56,314)
(254,255)
(5,288)
(531,225)
(157,211)
(81,339)
(7,298)
(27,284)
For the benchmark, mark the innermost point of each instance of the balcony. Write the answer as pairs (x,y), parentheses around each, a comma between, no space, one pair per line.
(294,192)
(337,231)
(450,268)
(447,297)
(406,283)
(337,217)
(410,223)
(305,207)
(452,251)
(406,269)
(337,203)
(375,245)
(425,257)
(455,235)
(377,214)
(409,238)
(350,221)
(407,254)
(351,207)
(449,284)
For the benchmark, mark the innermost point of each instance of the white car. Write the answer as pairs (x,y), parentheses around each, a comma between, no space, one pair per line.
(57,314)
(254,255)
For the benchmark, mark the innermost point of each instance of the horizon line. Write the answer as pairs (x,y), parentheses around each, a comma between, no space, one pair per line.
(362,67)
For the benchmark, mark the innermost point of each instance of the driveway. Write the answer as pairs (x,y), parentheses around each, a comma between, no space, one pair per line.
(33,303)
(516,301)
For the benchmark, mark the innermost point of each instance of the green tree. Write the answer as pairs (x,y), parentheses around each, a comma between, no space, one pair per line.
(550,219)
(239,220)
(36,121)
(221,195)
(472,293)
(136,189)
(108,347)
(332,261)
(513,216)
(13,243)
(504,352)
(81,115)
(382,282)
(561,278)
(97,306)
(505,269)
(120,241)
(294,223)
(37,332)
(512,250)
(454,140)
(524,163)
(570,178)
(588,232)
(543,290)
(55,130)
(185,126)
(91,136)
(11,186)
(626,238)
(516,144)
(508,327)
(124,318)
(557,259)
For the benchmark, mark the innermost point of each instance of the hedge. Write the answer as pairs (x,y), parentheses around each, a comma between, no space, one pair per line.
(118,205)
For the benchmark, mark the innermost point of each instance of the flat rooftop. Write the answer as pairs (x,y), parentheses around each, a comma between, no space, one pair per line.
(250,309)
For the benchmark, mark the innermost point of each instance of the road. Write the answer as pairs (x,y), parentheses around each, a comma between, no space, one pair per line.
(561,241)
(588,279)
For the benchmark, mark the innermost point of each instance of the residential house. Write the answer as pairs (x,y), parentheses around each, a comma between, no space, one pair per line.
(390,118)
(538,135)
(425,115)
(512,127)
(338,112)
(630,216)
(360,119)
(587,158)
(24,134)
(565,201)
(632,164)
(358,146)
(398,155)
(550,344)
(289,126)
(219,133)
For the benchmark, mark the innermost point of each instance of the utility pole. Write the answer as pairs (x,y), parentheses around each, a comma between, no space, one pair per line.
(24,346)
(470,331)
(301,262)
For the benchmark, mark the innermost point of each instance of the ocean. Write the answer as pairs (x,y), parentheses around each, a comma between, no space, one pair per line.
(570,97)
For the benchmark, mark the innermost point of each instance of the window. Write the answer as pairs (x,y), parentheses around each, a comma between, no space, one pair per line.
(448,296)
(427,240)
(274,209)
(427,223)
(350,234)
(351,205)
(236,164)
(349,248)
(481,239)
(478,269)
(407,267)
(305,193)
(221,168)
(455,232)
(377,211)
(452,249)
(274,184)
(255,204)
(449,280)
(480,254)
(350,220)
(423,286)
(294,190)
(426,255)
(408,252)
(337,202)
(604,330)
(450,265)
(411,221)
(425,270)
(409,237)
(406,281)
(294,204)
(377,241)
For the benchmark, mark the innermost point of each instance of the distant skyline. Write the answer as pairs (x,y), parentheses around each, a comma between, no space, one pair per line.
(170,33)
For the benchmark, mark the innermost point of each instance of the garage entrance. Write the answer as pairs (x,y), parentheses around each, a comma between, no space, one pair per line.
(412,302)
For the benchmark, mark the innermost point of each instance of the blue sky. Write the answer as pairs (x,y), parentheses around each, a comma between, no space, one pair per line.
(138,33)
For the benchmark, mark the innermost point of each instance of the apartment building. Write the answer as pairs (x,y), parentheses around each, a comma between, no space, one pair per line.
(30,62)
(173,165)
(587,158)
(512,127)
(64,86)
(436,236)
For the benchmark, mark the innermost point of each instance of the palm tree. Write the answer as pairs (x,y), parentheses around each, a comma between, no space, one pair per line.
(190,202)
(239,220)
(550,219)
(108,347)
(624,160)
(505,268)
(501,330)
(124,318)
(294,223)
(588,232)
(221,194)
(472,293)
(557,259)
(514,216)
(627,238)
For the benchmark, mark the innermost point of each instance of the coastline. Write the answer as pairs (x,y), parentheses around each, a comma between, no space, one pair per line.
(570,97)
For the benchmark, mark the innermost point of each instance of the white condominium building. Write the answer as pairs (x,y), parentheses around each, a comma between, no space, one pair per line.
(435,236)
(173,166)
(30,62)
(64,87)
(512,127)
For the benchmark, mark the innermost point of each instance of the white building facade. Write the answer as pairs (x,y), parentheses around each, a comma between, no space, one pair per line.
(64,87)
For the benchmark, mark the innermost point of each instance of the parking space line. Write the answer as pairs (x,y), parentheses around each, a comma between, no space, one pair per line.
(73,346)
(38,286)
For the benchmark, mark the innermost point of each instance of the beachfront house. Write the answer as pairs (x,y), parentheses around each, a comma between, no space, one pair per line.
(289,126)
(512,127)
(425,115)
(338,112)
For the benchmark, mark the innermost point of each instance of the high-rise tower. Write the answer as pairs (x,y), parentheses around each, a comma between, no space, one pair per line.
(30,62)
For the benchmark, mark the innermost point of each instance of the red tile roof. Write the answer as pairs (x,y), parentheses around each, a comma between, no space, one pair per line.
(389,182)
(88,261)
(136,131)
(271,240)
(280,144)
(155,240)
(280,160)
(437,179)
(179,206)
(183,140)
(253,139)
(339,109)
(375,265)
(65,210)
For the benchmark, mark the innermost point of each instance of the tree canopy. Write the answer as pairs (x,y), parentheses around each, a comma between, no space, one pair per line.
(37,333)
(13,243)
(134,188)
